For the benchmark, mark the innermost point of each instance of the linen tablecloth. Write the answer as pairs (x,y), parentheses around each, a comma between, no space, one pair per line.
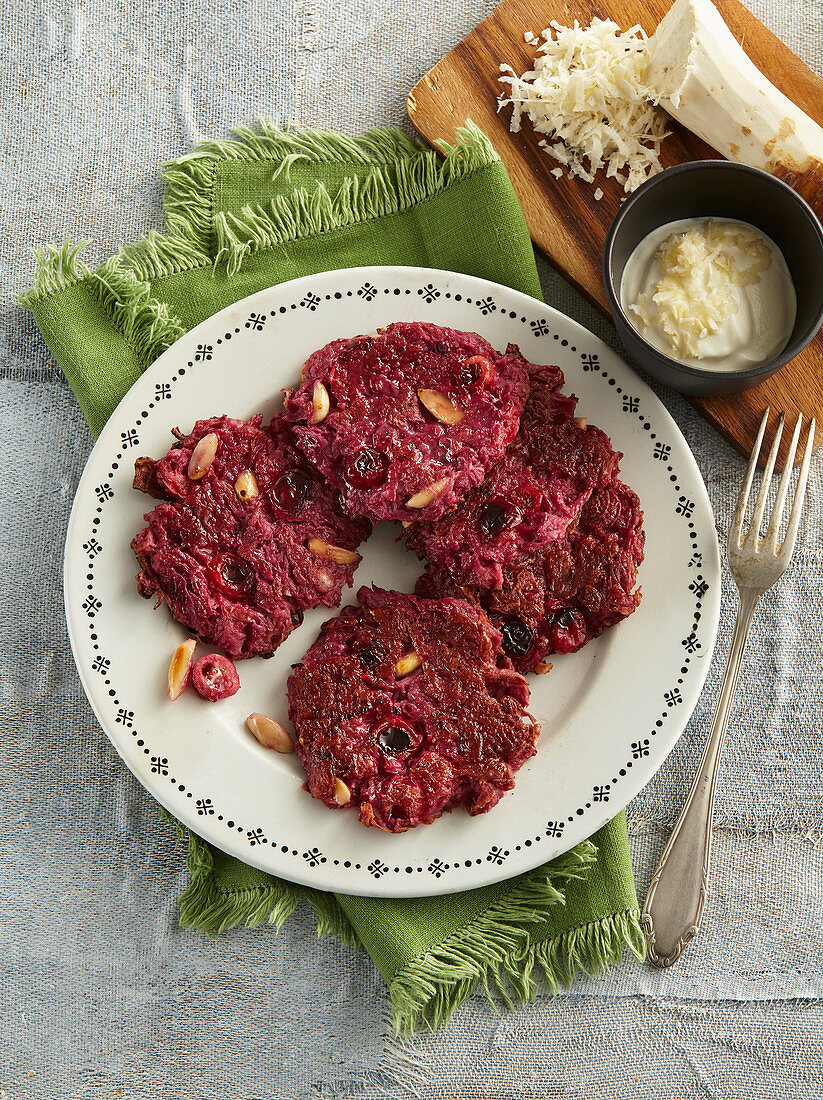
(102,991)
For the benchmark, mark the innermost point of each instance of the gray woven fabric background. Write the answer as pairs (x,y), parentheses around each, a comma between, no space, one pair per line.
(103,995)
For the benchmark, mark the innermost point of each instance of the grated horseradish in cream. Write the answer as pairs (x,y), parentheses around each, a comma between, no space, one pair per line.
(710,293)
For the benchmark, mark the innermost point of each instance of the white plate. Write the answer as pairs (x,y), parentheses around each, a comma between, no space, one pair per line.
(610,713)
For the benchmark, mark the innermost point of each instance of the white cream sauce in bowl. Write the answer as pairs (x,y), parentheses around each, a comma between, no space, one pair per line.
(734,308)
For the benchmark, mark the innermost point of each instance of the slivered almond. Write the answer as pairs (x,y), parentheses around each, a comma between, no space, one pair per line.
(246,485)
(580,421)
(269,733)
(441,407)
(543,667)
(180,668)
(338,554)
(427,495)
(320,403)
(407,664)
(202,456)
(342,794)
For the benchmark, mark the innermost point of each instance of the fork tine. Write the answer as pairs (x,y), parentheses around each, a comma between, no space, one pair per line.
(787,549)
(785,481)
(736,528)
(760,505)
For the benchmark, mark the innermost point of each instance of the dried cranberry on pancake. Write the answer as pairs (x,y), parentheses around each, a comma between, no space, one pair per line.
(569,592)
(404,708)
(230,552)
(405,422)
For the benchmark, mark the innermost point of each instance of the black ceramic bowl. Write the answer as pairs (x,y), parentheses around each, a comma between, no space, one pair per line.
(718,189)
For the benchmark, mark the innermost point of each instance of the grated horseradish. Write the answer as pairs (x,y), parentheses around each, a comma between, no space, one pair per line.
(588,93)
(710,293)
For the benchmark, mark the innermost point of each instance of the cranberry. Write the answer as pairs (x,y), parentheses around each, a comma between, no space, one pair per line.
(517,638)
(231,574)
(215,677)
(292,489)
(393,734)
(366,469)
(494,518)
(568,631)
(531,498)
(476,371)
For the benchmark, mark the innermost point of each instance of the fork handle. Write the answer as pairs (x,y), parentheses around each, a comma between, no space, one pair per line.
(674,903)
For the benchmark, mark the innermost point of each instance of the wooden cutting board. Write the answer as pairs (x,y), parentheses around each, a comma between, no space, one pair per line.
(564,220)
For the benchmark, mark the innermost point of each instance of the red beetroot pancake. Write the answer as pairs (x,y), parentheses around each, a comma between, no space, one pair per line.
(241,552)
(571,591)
(404,708)
(529,498)
(405,422)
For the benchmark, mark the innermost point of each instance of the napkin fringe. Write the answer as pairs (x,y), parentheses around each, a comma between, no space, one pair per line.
(427,999)
(210,910)
(188,199)
(274,141)
(493,950)
(190,179)
(143,320)
(331,920)
(158,255)
(121,285)
(589,949)
(428,1002)
(204,907)
(406,174)
(56,268)
(401,174)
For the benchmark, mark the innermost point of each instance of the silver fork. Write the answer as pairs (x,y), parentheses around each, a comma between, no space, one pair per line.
(674,903)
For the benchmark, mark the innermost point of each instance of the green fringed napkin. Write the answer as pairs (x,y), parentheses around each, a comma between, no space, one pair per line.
(246,214)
